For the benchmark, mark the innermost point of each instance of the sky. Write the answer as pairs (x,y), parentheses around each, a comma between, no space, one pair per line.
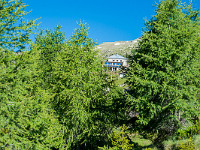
(109,20)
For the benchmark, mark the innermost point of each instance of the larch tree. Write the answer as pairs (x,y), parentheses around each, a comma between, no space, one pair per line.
(164,73)
(14,30)
(27,118)
(73,74)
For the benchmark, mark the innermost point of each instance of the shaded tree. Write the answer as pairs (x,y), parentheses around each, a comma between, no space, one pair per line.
(74,76)
(164,72)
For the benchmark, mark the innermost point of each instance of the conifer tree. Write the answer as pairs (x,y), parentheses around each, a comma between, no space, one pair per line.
(86,92)
(164,73)
(50,44)
(14,31)
(73,74)
(27,119)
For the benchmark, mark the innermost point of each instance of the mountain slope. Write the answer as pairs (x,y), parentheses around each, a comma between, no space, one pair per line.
(123,48)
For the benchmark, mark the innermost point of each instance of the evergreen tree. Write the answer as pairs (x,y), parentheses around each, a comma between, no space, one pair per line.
(14,31)
(50,44)
(164,73)
(73,74)
(27,119)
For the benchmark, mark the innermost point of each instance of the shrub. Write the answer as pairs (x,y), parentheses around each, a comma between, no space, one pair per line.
(187,146)
(189,131)
(120,140)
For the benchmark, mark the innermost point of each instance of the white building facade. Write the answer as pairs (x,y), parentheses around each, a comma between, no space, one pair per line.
(115,62)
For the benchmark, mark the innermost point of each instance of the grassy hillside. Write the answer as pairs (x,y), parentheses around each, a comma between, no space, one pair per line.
(123,48)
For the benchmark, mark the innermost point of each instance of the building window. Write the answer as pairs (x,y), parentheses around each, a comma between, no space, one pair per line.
(117,60)
(120,60)
(113,60)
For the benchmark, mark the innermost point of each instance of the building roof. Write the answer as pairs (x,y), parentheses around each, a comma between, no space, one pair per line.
(116,56)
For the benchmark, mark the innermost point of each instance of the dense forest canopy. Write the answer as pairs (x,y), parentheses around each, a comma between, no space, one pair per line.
(57,95)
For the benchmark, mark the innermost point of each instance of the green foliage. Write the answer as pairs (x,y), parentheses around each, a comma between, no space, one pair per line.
(14,31)
(189,131)
(164,72)
(120,139)
(108,148)
(56,95)
(27,120)
(50,44)
(103,148)
(73,75)
(187,146)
